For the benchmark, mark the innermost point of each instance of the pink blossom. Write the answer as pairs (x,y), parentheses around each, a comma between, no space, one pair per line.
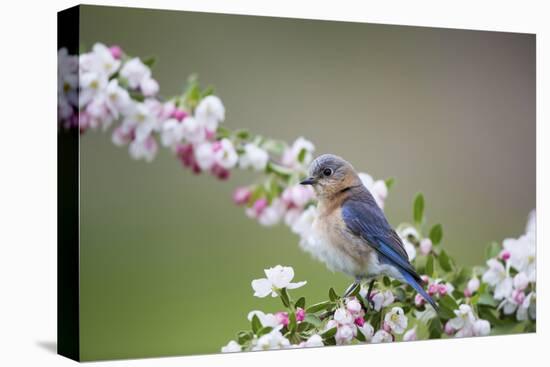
(220,172)
(518,296)
(449,330)
(186,155)
(425,246)
(300,314)
(433,289)
(505,255)
(442,290)
(419,300)
(179,114)
(116,51)
(282,317)
(259,206)
(241,195)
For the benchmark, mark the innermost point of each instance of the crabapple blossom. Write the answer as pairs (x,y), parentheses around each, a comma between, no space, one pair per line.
(425,246)
(253,157)
(225,154)
(382,336)
(241,195)
(396,320)
(171,132)
(210,112)
(231,347)
(410,335)
(148,86)
(354,307)
(135,71)
(278,277)
(143,149)
(273,340)
(471,287)
(497,276)
(313,341)
(344,334)
(382,299)
(269,319)
(481,328)
(343,317)
(367,330)
(292,154)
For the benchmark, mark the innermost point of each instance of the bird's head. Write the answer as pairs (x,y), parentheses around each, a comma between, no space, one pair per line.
(330,174)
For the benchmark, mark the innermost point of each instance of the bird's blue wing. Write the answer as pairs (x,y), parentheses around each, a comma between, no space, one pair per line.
(366,220)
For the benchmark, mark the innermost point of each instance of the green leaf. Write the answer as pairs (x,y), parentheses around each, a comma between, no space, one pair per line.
(487,300)
(329,333)
(360,335)
(304,326)
(244,336)
(332,294)
(285,298)
(327,305)
(390,182)
(292,321)
(150,61)
(264,330)
(207,92)
(301,302)
(435,328)
(436,234)
(386,281)
(445,261)
(492,250)
(136,96)
(418,213)
(256,324)
(242,134)
(430,265)
(313,319)
(278,170)
(302,155)
(447,306)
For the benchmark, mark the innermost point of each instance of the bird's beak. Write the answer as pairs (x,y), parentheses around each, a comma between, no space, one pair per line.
(308,181)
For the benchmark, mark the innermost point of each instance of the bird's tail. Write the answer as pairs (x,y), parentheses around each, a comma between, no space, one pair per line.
(416,285)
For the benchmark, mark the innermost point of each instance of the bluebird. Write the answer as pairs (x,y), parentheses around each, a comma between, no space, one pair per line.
(353,233)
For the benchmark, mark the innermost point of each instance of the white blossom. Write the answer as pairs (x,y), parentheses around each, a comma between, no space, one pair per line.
(382,336)
(382,299)
(367,330)
(210,112)
(134,71)
(265,319)
(396,320)
(225,154)
(171,132)
(278,277)
(254,157)
(314,341)
(344,334)
(497,276)
(272,340)
(378,188)
(292,154)
(231,347)
(410,335)
(193,131)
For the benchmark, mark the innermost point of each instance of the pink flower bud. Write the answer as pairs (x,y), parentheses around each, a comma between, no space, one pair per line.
(220,172)
(442,290)
(241,195)
(449,330)
(433,289)
(473,285)
(116,51)
(467,293)
(518,296)
(505,255)
(179,114)
(259,206)
(282,318)
(359,321)
(353,306)
(425,279)
(419,300)
(386,327)
(210,134)
(300,314)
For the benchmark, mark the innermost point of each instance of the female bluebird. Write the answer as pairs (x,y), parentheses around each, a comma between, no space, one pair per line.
(353,233)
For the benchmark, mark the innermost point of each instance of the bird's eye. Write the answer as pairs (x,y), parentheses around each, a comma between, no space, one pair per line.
(327,172)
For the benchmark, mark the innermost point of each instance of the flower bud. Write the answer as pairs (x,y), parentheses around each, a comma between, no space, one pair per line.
(116,51)
(505,255)
(425,246)
(300,314)
(241,195)
(419,300)
(282,318)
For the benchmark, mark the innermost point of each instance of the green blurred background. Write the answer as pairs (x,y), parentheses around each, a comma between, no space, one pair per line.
(167,259)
